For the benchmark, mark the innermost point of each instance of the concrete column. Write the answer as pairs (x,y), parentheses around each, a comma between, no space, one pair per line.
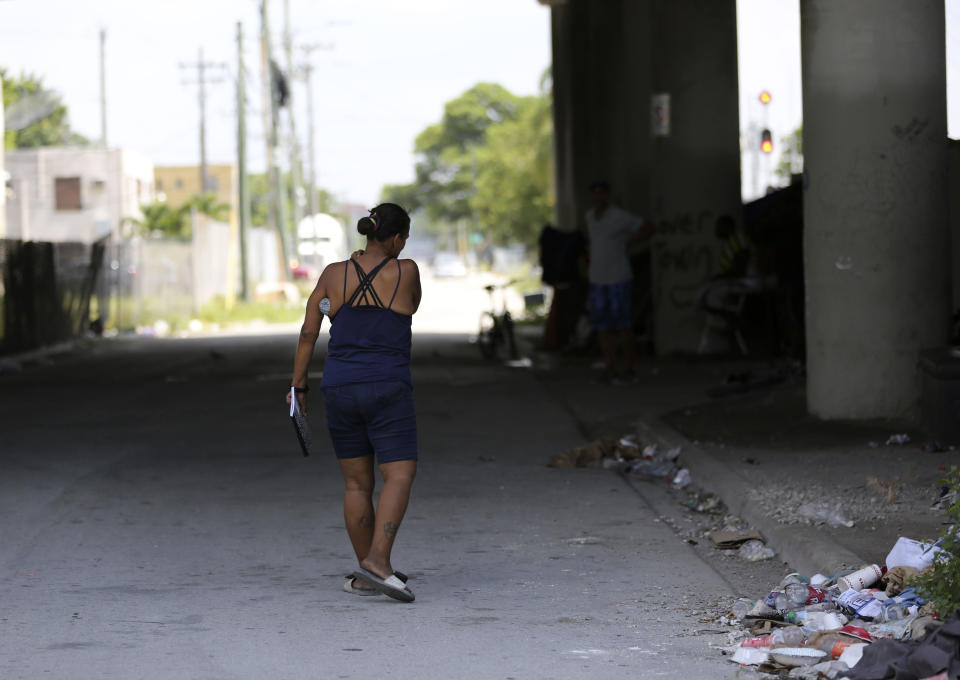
(3,174)
(875,202)
(696,174)
(601,88)
(562,69)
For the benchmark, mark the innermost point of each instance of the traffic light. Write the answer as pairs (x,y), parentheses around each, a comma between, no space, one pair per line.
(766,141)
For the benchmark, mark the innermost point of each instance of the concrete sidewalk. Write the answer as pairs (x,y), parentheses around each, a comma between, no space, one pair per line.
(766,459)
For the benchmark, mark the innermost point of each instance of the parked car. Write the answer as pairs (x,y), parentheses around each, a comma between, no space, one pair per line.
(448,265)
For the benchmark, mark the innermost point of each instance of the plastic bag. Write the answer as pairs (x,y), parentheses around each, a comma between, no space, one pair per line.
(907,552)
(754,551)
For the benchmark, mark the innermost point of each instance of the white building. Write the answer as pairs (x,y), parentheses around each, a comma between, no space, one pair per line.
(78,194)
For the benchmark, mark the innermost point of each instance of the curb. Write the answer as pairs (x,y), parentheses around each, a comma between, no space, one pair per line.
(803,547)
(13,362)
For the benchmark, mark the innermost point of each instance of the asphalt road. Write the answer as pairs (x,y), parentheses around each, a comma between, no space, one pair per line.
(157,521)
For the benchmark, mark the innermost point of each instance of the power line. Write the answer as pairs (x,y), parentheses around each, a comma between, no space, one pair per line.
(203,79)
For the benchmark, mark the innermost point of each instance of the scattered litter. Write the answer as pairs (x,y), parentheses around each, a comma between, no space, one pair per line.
(797,656)
(907,552)
(672,454)
(755,551)
(934,447)
(946,498)
(898,439)
(733,539)
(824,626)
(703,503)
(607,452)
(821,513)
(582,540)
(583,456)
(682,478)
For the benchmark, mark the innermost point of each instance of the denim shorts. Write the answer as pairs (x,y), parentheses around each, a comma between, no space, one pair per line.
(372,418)
(610,306)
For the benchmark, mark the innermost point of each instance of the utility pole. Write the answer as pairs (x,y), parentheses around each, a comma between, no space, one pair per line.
(243,190)
(278,199)
(202,80)
(103,88)
(296,171)
(307,72)
(311,142)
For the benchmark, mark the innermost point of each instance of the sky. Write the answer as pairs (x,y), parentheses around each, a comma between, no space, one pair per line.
(383,73)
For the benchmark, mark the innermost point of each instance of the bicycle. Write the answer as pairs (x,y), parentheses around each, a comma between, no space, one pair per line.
(496,330)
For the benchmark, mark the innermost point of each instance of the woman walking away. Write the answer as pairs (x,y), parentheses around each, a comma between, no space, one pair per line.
(370,299)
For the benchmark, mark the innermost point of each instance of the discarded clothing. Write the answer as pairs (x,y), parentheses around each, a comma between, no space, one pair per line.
(913,660)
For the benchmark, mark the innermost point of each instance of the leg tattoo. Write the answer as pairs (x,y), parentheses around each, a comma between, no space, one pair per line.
(366,522)
(390,529)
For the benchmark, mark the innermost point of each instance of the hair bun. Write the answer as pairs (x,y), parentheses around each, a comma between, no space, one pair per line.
(365,225)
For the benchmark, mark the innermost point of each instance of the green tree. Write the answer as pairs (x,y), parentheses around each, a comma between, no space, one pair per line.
(42,116)
(447,165)
(161,219)
(513,198)
(489,158)
(791,158)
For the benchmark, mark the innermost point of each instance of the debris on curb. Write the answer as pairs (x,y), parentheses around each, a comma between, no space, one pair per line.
(823,626)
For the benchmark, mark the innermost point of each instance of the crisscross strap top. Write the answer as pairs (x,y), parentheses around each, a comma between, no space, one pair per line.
(365,291)
(369,342)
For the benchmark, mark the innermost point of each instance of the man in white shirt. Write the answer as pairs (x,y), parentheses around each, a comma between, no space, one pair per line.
(610,229)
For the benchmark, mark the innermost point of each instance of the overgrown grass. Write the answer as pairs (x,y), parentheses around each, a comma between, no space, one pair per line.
(941,582)
(216,311)
(127,314)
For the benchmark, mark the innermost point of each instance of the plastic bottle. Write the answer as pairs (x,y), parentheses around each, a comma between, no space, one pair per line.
(791,636)
(741,608)
(795,577)
(801,594)
(831,643)
(894,611)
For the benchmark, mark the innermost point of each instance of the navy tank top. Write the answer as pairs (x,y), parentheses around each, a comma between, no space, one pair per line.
(369,342)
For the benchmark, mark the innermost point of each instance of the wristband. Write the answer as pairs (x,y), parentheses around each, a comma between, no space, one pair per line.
(305,388)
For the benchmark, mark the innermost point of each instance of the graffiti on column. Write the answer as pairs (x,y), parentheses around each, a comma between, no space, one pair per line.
(683,257)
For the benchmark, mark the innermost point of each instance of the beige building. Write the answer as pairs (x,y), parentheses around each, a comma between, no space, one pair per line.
(176,184)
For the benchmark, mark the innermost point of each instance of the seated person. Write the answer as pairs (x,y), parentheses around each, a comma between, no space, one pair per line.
(737,274)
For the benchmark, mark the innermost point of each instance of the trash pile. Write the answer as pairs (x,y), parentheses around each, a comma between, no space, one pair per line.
(827,626)
(628,456)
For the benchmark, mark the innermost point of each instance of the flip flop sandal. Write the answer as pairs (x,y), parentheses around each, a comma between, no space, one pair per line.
(390,586)
(399,574)
(353,590)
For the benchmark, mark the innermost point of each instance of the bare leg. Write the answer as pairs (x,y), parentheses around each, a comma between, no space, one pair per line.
(626,339)
(397,481)
(358,502)
(606,344)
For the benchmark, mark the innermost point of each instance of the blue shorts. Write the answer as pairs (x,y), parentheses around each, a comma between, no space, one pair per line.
(372,418)
(610,305)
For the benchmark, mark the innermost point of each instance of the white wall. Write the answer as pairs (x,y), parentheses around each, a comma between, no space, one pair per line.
(108,192)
